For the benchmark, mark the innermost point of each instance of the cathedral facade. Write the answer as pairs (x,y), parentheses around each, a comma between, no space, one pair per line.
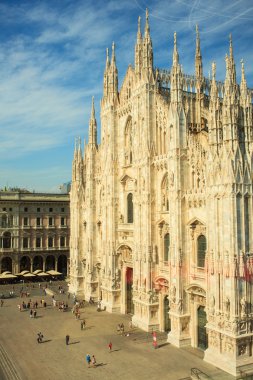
(161,209)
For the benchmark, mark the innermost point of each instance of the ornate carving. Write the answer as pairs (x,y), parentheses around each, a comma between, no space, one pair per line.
(242,348)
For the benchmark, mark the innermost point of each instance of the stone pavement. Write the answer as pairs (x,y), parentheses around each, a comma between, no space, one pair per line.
(132,357)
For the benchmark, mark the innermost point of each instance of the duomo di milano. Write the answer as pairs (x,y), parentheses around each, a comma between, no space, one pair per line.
(161,209)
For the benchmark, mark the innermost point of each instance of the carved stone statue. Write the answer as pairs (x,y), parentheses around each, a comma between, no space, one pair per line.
(243,304)
(227,304)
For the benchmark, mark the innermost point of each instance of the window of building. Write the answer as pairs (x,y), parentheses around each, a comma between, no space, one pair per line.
(4,208)
(25,242)
(4,221)
(50,242)
(62,209)
(38,222)
(62,221)
(10,209)
(25,221)
(130,208)
(7,240)
(201,251)
(25,209)
(166,247)
(62,241)
(50,221)
(38,209)
(50,209)
(38,242)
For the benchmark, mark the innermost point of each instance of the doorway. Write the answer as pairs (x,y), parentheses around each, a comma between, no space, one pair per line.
(202,335)
(166,317)
(129,291)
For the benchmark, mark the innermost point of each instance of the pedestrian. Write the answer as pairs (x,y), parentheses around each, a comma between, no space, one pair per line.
(2,302)
(118,328)
(31,313)
(40,337)
(93,361)
(67,339)
(34,313)
(81,325)
(122,328)
(88,360)
(110,346)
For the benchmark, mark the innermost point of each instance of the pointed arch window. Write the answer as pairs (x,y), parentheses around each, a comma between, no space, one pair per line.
(166,242)
(165,194)
(128,142)
(201,251)
(130,208)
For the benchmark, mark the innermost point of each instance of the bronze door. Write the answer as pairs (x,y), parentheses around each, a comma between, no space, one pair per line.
(129,291)
(202,335)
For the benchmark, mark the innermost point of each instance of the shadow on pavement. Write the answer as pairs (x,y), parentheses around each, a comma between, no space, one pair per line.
(162,345)
(74,342)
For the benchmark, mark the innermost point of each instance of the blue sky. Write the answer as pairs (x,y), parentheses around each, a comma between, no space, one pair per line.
(52,58)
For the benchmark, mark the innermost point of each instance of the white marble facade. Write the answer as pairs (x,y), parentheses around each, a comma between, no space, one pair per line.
(161,209)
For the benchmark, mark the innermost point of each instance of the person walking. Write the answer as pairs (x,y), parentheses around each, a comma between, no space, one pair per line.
(67,339)
(110,347)
(40,337)
(88,360)
(93,361)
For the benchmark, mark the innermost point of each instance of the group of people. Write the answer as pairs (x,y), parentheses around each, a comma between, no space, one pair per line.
(91,360)
(33,313)
(39,337)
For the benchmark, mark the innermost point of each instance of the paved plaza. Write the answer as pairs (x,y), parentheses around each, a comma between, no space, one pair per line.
(132,355)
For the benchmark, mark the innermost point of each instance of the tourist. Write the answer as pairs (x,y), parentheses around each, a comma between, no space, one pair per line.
(110,346)
(2,302)
(31,313)
(40,337)
(88,360)
(93,361)
(34,313)
(67,339)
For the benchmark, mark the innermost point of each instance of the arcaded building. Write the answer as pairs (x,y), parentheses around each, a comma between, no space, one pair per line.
(161,209)
(34,232)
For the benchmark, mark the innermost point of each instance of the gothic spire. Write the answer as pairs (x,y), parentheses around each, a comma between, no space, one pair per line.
(147,50)
(198,57)
(113,81)
(231,61)
(106,73)
(147,29)
(214,90)
(243,85)
(107,59)
(175,52)
(113,55)
(93,126)
(139,36)
(176,76)
(138,49)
